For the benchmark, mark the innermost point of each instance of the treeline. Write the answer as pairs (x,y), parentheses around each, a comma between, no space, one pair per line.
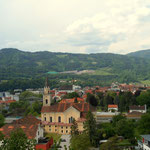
(122,99)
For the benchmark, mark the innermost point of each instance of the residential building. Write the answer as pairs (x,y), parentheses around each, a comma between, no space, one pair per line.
(135,108)
(30,125)
(112,108)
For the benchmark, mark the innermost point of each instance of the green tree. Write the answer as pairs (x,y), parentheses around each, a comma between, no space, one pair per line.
(80,142)
(144,124)
(90,128)
(2,120)
(92,99)
(125,128)
(117,118)
(111,144)
(19,141)
(74,128)
(144,98)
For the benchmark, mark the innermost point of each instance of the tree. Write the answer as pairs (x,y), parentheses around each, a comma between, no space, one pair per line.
(2,120)
(144,124)
(117,118)
(80,142)
(90,128)
(111,144)
(91,99)
(125,128)
(18,140)
(144,98)
(74,128)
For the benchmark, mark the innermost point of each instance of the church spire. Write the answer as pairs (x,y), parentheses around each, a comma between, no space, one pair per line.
(46,82)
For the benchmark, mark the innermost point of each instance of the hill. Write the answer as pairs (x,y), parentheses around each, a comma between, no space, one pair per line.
(141,54)
(16,64)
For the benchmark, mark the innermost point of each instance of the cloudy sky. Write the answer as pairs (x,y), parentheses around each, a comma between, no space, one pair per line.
(77,26)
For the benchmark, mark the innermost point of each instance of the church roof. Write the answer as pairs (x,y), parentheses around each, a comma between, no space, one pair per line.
(61,107)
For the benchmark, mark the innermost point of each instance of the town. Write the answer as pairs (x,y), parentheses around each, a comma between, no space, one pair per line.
(72,117)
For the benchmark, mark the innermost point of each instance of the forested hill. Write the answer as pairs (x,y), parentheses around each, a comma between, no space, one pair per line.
(19,64)
(141,54)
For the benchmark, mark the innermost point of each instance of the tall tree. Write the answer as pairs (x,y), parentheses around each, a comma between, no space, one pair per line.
(74,128)
(2,120)
(90,128)
(92,99)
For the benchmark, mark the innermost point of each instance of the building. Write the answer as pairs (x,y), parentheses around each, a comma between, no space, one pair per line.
(30,125)
(112,108)
(57,118)
(135,108)
(144,144)
(73,100)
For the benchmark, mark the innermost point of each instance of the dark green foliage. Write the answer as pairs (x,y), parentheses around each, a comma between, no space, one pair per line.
(125,128)
(80,142)
(74,128)
(71,95)
(18,140)
(90,128)
(31,67)
(91,99)
(117,118)
(144,98)
(144,124)
(2,119)
(111,144)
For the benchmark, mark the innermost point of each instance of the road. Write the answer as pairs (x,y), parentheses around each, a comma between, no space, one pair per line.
(67,143)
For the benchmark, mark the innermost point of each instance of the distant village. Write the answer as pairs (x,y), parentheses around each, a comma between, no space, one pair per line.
(58,111)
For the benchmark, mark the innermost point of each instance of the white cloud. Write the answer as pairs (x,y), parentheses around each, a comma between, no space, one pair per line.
(87,26)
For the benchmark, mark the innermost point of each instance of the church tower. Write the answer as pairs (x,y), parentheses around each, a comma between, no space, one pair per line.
(46,95)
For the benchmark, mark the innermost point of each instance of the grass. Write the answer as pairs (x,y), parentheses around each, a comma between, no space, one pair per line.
(145,82)
(55,136)
(103,71)
(124,142)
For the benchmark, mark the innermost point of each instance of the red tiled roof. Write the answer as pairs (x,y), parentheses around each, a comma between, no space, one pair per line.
(135,107)
(71,100)
(7,102)
(112,106)
(29,125)
(61,107)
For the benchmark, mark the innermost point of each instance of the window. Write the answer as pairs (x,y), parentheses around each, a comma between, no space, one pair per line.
(66,127)
(50,126)
(51,120)
(61,131)
(55,126)
(49,129)
(46,101)
(70,119)
(59,119)
(44,118)
(66,131)
(55,130)
(62,127)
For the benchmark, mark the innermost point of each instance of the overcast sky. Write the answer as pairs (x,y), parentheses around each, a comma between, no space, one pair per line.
(77,26)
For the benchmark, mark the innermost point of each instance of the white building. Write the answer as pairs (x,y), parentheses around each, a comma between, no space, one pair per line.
(144,144)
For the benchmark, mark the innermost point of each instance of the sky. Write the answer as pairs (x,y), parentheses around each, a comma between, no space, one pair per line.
(75,26)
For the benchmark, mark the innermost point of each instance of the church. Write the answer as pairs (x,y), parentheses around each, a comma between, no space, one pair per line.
(57,118)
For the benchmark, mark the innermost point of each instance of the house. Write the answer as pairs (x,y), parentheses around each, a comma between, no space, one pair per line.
(31,126)
(57,118)
(135,108)
(112,108)
(144,144)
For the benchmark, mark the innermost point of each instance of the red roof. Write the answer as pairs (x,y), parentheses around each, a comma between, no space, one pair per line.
(112,106)
(29,125)
(7,102)
(72,100)
(61,107)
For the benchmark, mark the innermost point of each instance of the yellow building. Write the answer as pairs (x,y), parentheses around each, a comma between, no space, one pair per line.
(57,118)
